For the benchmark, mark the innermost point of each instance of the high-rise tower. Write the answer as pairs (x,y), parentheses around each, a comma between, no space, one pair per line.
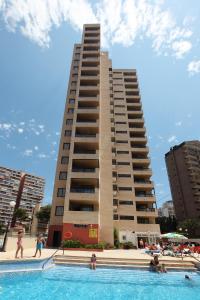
(102,178)
(183,167)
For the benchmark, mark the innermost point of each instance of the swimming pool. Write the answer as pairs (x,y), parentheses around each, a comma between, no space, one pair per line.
(70,283)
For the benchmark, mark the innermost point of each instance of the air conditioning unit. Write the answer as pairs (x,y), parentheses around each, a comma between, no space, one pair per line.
(114,193)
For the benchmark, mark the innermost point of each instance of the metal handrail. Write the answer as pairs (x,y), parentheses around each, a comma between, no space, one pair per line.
(48,259)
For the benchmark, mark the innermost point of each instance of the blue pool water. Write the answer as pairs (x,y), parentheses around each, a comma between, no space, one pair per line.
(70,283)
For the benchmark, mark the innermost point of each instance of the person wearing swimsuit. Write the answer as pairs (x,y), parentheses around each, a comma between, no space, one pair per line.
(93,262)
(39,245)
(19,243)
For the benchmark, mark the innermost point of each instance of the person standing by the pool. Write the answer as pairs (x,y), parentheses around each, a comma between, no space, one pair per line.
(141,244)
(20,243)
(39,245)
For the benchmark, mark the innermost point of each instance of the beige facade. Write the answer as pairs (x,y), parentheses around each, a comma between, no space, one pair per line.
(103,175)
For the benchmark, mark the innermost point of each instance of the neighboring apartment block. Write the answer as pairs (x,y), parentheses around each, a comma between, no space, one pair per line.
(167,209)
(183,166)
(25,189)
(103,175)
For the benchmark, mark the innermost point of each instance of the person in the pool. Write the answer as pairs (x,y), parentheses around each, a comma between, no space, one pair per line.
(154,264)
(187,277)
(93,261)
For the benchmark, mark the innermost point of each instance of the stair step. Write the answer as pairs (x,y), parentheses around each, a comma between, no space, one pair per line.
(188,268)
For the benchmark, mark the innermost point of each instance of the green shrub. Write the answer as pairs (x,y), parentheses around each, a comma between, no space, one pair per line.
(71,244)
(128,245)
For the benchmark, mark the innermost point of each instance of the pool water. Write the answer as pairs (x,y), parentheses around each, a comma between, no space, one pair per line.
(70,283)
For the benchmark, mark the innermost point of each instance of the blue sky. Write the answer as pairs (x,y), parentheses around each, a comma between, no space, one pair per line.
(158,38)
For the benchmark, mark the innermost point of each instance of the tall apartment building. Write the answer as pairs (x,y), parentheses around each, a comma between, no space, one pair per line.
(25,189)
(102,178)
(183,167)
(167,209)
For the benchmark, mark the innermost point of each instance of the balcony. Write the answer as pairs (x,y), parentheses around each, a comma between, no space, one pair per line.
(87,119)
(90,110)
(142,140)
(84,189)
(146,185)
(141,161)
(144,208)
(142,171)
(139,148)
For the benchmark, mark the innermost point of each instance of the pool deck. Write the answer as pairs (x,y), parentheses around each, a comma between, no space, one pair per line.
(121,254)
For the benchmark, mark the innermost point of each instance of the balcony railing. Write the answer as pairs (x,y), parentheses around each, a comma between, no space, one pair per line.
(85,135)
(82,190)
(86,121)
(145,209)
(82,151)
(89,170)
(144,195)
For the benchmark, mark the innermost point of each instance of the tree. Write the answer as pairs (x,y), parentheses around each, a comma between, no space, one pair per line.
(2,228)
(43,214)
(167,224)
(116,238)
(20,214)
(190,226)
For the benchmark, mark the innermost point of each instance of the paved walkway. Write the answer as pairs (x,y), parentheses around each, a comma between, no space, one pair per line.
(123,254)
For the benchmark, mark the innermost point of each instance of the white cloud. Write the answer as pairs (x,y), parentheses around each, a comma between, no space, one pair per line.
(28,152)
(179,123)
(42,155)
(36,148)
(5,126)
(194,67)
(20,130)
(181,48)
(172,139)
(123,21)
(22,123)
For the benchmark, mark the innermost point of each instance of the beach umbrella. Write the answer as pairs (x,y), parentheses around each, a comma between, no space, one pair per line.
(173,235)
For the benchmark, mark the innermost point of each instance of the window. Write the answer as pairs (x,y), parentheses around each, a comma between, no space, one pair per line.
(72,92)
(71,101)
(63,175)
(59,211)
(120,114)
(125,202)
(123,163)
(68,132)
(120,131)
(123,237)
(125,188)
(142,220)
(120,122)
(64,160)
(115,202)
(69,121)
(115,217)
(70,111)
(126,217)
(61,192)
(81,225)
(66,146)
(124,175)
